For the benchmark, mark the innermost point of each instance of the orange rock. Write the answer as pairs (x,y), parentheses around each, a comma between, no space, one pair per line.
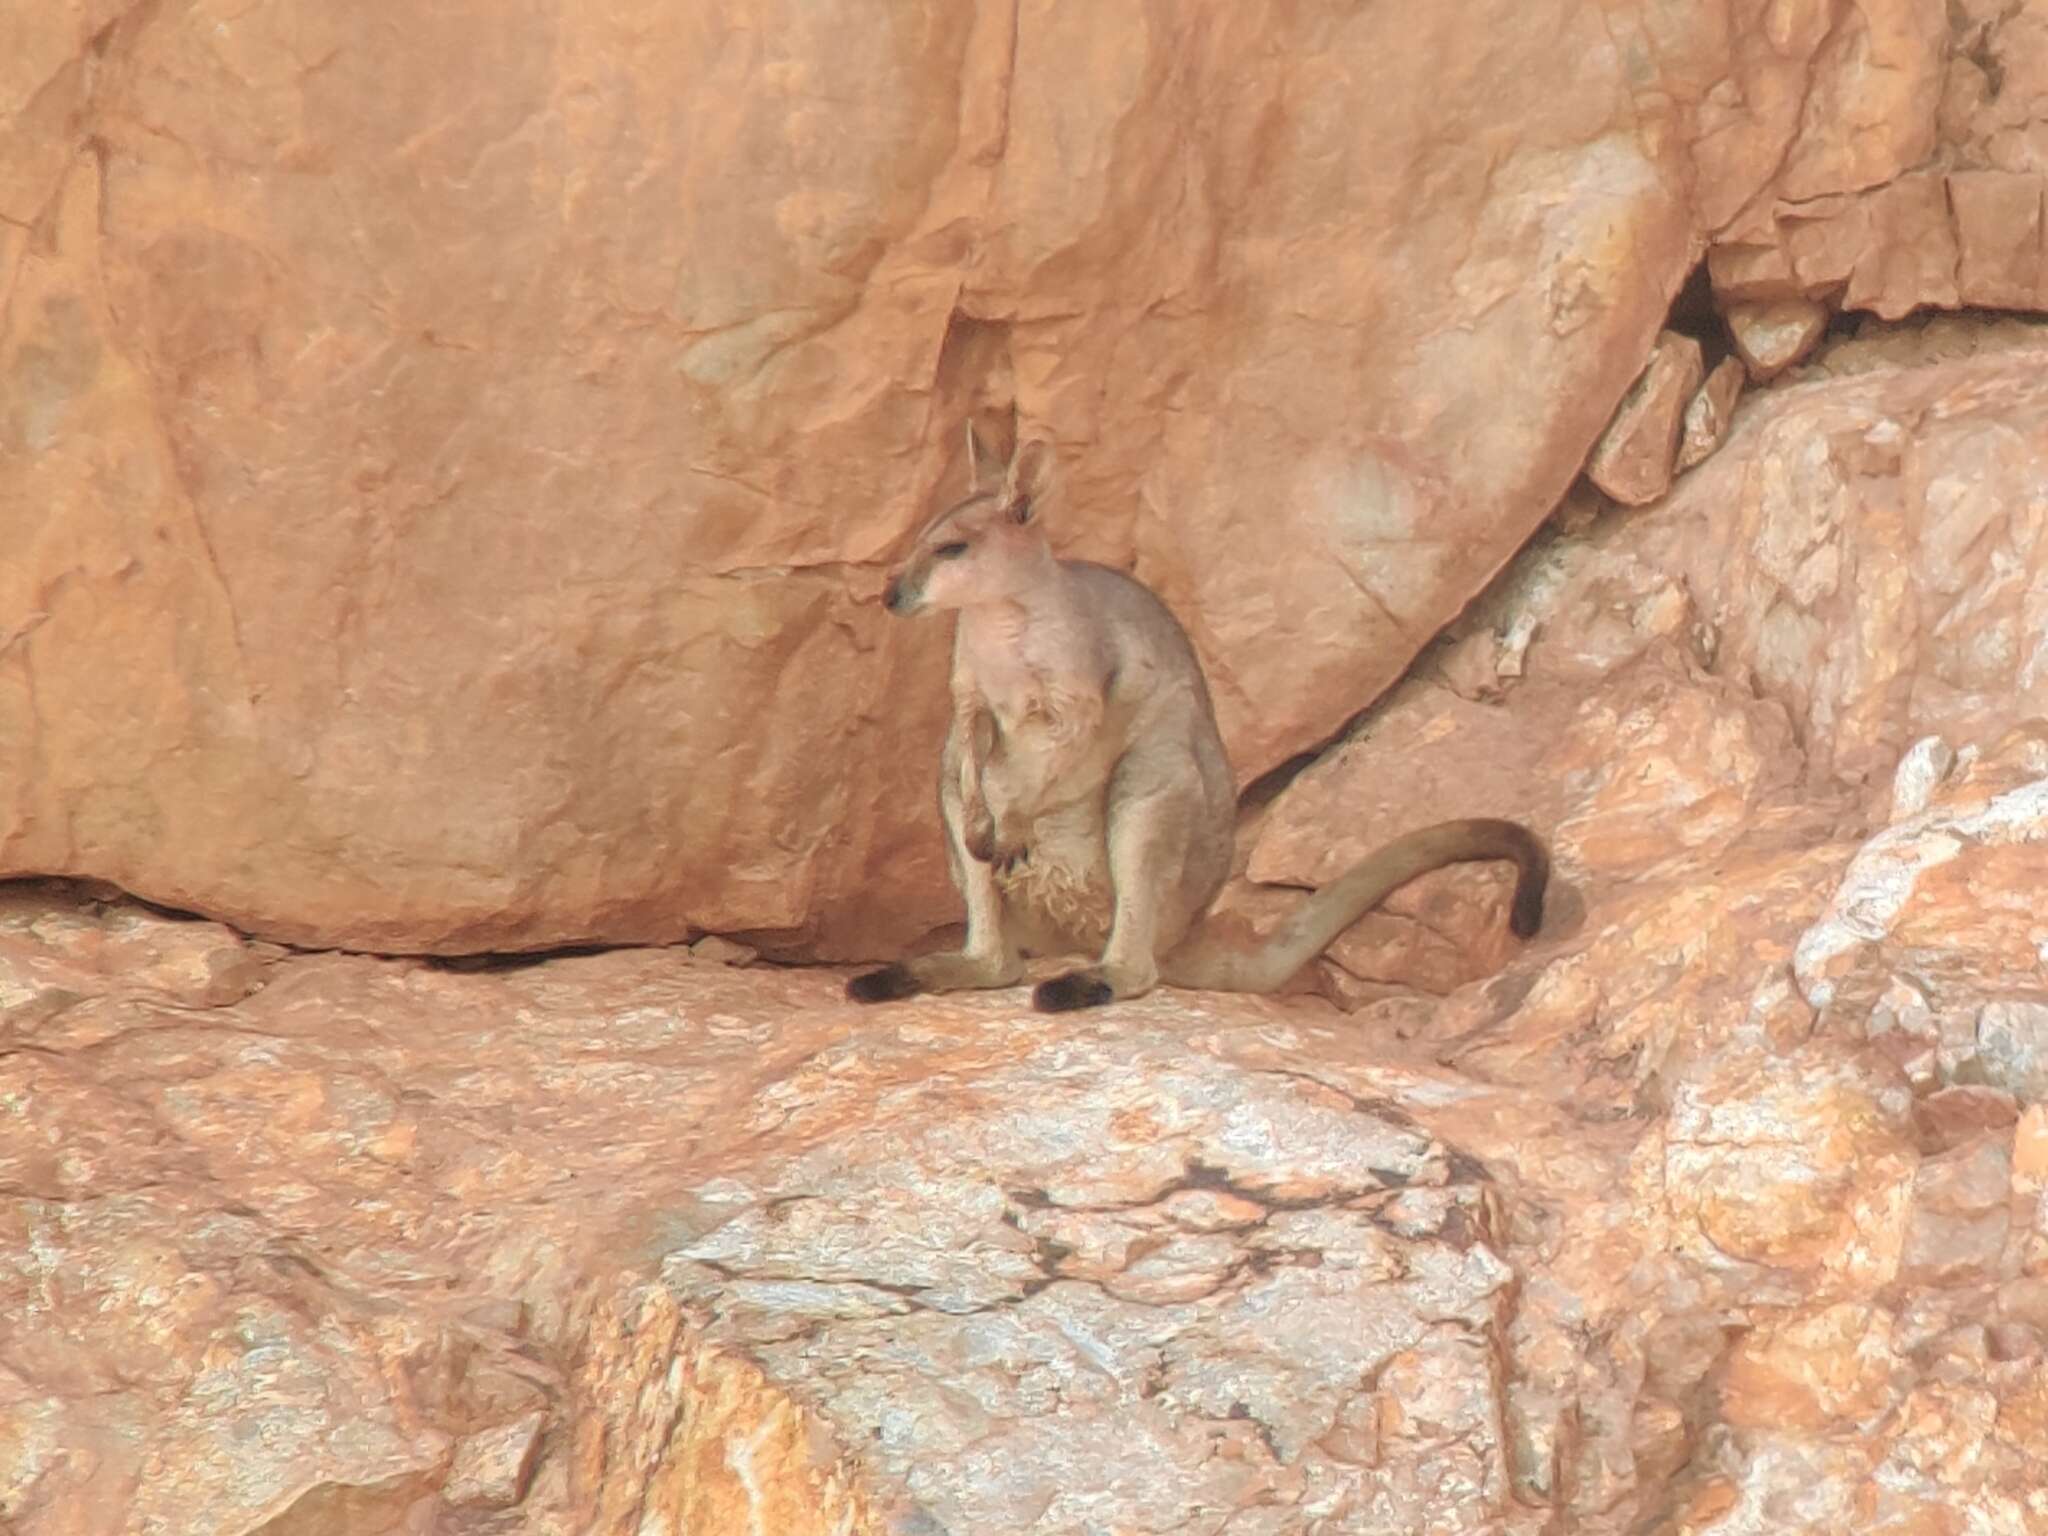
(754,1259)
(1949,1117)
(1912,260)
(1859,215)
(1869,120)
(1803,1162)
(1747,273)
(1959,1221)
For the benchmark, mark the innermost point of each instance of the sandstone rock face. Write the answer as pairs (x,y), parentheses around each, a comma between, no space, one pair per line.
(447,462)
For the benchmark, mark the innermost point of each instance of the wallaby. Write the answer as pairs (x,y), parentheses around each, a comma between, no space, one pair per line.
(1087,800)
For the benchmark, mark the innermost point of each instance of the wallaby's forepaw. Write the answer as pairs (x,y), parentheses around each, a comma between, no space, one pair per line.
(884,986)
(1011,845)
(1001,851)
(1076,989)
(979,839)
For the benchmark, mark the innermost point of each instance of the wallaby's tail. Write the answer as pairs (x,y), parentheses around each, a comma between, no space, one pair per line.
(1209,965)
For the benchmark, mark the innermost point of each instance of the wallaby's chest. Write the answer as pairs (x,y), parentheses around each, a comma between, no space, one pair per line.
(1037,689)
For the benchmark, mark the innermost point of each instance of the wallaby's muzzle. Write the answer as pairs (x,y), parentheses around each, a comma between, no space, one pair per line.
(900,597)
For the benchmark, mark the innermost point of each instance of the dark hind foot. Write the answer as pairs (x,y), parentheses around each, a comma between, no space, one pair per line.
(1076,989)
(883,986)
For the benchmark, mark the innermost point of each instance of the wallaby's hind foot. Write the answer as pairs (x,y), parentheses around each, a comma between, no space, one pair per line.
(883,986)
(1094,986)
(1076,989)
(956,972)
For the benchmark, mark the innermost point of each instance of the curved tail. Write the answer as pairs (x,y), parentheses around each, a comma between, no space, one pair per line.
(1209,965)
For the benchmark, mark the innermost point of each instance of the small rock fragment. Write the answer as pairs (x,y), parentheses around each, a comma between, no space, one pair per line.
(1708,413)
(1921,771)
(1632,461)
(1775,334)
(1950,1117)
(723,951)
(1472,668)
(2012,1046)
(492,1467)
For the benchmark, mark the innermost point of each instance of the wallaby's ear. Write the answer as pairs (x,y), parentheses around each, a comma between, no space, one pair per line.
(984,469)
(1027,478)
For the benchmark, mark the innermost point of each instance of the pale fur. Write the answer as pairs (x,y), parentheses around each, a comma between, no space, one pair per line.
(1087,800)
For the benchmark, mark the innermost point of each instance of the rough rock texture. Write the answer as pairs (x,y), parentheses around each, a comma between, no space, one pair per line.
(447,460)
(1873,554)
(1918,172)
(1720,1210)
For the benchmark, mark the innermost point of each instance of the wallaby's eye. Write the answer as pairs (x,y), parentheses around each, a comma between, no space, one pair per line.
(951,551)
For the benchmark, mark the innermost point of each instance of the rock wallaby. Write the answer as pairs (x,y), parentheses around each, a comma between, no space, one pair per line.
(1087,800)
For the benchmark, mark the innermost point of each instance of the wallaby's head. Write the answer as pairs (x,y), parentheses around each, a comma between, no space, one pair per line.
(985,548)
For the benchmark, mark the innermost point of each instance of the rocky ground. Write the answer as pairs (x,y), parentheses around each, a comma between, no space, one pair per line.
(1720,1208)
